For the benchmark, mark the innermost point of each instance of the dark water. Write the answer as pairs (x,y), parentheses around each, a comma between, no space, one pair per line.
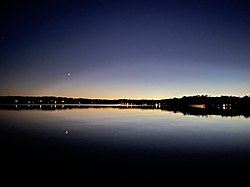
(113,143)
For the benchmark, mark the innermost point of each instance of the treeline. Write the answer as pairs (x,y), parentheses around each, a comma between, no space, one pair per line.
(192,105)
(223,102)
(206,101)
(204,105)
(66,100)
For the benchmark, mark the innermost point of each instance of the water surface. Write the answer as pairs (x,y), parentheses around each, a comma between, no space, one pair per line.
(104,142)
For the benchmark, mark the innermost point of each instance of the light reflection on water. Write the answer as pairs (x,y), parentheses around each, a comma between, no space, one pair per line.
(149,129)
(107,142)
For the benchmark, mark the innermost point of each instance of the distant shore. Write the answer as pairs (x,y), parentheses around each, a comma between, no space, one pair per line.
(194,105)
(223,101)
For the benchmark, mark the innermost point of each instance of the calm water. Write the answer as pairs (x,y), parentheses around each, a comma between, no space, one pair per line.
(96,142)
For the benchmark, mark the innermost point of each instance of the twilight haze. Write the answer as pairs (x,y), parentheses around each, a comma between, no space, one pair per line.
(125,48)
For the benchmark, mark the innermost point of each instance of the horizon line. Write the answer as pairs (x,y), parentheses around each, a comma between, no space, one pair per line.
(207,95)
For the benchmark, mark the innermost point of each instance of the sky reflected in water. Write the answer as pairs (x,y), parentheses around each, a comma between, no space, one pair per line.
(134,128)
(106,142)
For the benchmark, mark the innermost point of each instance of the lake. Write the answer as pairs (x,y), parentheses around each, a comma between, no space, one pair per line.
(112,142)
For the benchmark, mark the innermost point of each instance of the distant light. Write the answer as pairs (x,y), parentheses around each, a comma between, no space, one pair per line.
(66,132)
(69,74)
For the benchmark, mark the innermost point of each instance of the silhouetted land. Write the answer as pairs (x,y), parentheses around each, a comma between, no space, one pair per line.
(193,105)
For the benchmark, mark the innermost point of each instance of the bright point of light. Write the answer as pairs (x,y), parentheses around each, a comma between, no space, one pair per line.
(69,74)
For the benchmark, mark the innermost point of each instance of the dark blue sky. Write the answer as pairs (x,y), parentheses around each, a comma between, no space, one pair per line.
(125,49)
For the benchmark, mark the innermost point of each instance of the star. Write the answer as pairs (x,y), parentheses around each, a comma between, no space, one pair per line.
(69,74)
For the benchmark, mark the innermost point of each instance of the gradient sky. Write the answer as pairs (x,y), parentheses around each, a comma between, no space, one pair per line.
(125,48)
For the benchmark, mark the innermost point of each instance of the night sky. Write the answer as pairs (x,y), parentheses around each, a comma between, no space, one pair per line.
(125,48)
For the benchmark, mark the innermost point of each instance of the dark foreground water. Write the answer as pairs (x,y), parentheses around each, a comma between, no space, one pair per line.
(119,143)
